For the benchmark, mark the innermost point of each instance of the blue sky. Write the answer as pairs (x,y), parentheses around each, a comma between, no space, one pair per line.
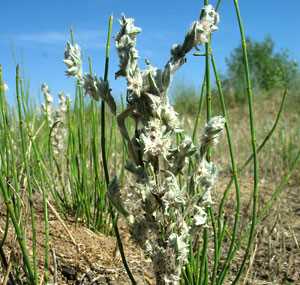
(33,33)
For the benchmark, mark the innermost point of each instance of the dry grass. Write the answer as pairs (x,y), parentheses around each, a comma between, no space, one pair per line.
(276,255)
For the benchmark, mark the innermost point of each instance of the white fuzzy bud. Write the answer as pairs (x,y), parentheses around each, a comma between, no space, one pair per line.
(47,105)
(207,24)
(154,139)
(200,216)
(212,131)
(72,60)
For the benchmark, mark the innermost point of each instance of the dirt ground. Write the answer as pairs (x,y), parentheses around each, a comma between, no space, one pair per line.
(80,256)
(276,252)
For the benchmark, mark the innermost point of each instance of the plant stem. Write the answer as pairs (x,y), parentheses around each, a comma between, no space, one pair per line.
(104,158)
(253,143)
(199,109)
(234,173)
(216,245)
(24,156)
(208,86)
(204,258)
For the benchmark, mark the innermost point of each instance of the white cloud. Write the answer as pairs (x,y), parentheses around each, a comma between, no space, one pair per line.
(85,38)
(40,38)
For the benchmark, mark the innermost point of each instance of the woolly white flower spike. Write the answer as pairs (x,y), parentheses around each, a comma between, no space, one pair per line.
(212,131)
(62,102)
(47,105)
(128,57)
(154,139)
(169,117)
(206,175)
(199,33)
(46,93)
(56,120)
(135,84)
(210,16)
(125,43)
(173,196)
(181,246)
(129,27)
(207,24)
(72,60)
(200,216)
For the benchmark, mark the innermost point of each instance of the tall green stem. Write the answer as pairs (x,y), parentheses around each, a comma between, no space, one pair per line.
(24,156)
(253,143)
(104,158)
(208,86)
(200,103)
(204,258)
(20,234)
(234,173)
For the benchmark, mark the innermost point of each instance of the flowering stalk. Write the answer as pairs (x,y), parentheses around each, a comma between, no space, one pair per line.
(59,133)
(56,119)
(57,126)
(95,87)
(165,217)
(208,116)
(47,105)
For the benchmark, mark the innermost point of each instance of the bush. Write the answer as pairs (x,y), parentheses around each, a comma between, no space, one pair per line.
(268,70)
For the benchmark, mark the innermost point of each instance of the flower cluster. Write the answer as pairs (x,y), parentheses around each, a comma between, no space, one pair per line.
(212,132)
(93,86)
(128,55)
(207,24)
(59,133)
(199,33)
(56,119)
(165,216)
(155,140)
(47,107)
(73,60)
